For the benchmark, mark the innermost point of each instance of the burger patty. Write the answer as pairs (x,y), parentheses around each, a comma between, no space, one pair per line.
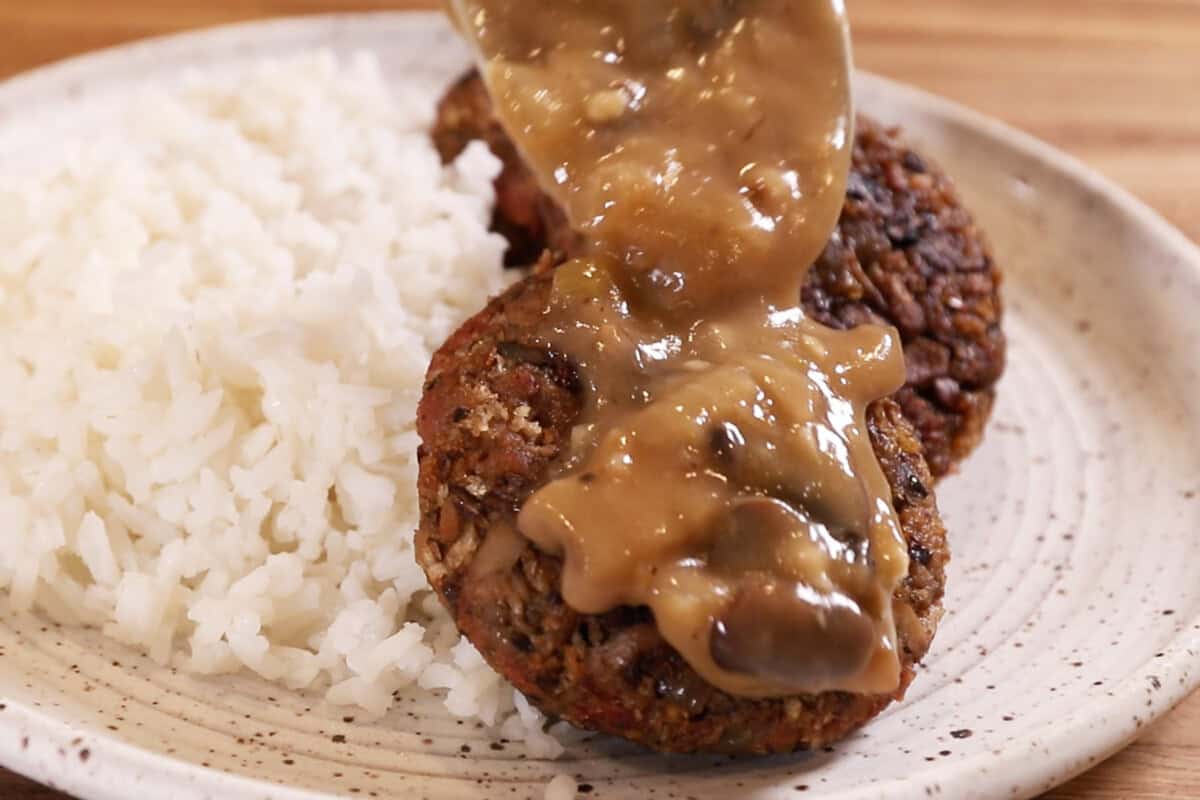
(906,253)
(498,409)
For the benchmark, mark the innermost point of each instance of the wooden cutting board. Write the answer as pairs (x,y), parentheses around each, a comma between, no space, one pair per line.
(1114,82)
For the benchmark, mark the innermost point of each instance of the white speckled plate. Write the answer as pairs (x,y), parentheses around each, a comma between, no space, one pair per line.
(1074,604)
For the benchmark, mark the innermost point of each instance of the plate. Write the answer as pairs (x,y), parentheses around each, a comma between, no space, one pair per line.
(1074,611)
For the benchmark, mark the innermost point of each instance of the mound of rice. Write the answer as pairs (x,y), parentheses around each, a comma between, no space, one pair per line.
(214,323)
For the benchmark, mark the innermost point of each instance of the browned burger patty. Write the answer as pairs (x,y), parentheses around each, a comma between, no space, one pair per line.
(530,221)
(496,412)
(906,253)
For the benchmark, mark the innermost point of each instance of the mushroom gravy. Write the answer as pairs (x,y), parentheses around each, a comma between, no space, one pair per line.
(722,473)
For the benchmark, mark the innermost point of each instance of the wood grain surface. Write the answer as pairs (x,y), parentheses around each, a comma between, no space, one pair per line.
(1114,82)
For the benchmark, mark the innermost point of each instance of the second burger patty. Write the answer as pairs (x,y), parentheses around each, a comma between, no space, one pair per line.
(906,253)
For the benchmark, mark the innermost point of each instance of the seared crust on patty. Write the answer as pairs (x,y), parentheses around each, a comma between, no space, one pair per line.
(498,408)
(906,253)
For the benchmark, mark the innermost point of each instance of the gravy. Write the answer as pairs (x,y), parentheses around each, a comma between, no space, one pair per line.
(721,473)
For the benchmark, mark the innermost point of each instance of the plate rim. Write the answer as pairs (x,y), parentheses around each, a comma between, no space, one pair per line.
(100,777)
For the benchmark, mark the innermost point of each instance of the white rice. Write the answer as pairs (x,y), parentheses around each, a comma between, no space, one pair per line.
(214,323)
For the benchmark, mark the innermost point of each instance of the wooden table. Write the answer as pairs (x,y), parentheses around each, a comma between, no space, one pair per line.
(1115,82)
